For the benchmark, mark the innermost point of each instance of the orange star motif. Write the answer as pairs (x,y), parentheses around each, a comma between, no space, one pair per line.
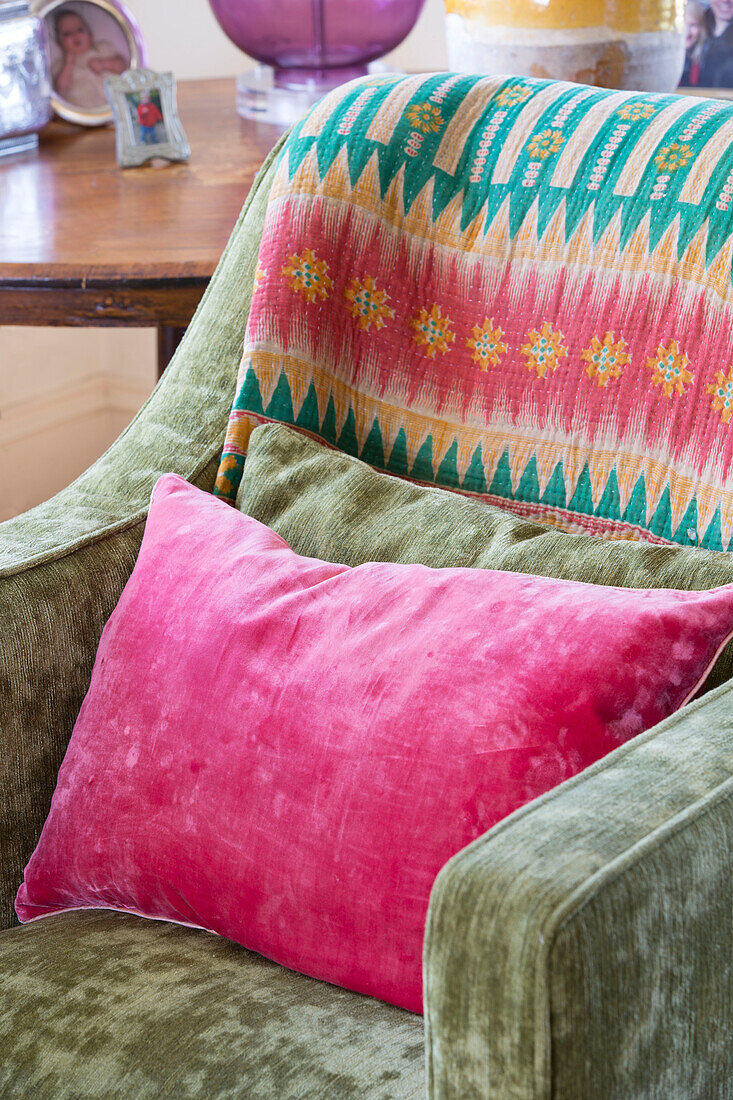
(368,303)
(432,331)
(606,358)
(544,349)
(308,276)
(669,368)
(486,343)
(722,393)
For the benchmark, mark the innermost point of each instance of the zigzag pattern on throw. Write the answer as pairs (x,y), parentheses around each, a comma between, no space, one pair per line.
(621,496)
(512,288)
(530,144)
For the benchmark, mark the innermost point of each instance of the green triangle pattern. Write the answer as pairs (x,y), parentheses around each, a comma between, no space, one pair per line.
(661,521)
(347,441)
(582,499)
(398,459)
(309,416)
(480,191)
(609,506)
(635,513)
(328,427)
(249,397)
(475,479)
(227,483)
(713,538)
(554,494)
(373,452)
(448,469)
(528,489)
(280,406)
(501,482)
(422,469)
(686,533)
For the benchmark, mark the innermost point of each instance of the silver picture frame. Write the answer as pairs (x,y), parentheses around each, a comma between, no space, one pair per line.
(124,21)
(124,93)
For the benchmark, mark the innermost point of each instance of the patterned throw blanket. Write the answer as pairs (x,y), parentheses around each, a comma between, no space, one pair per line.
(516,289)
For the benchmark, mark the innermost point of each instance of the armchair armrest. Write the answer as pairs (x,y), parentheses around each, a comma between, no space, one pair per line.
(584,946)
(63,565)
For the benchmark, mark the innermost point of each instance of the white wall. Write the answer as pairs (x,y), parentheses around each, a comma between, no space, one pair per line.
(183,35)
(65,394)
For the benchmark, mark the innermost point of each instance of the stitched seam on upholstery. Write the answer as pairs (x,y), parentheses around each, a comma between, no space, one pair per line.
(542,1059)
(102,534)
(589,890)
(542,1052)
(613,870)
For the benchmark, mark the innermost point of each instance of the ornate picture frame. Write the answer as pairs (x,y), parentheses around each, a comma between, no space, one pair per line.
(111,42)
(146,118)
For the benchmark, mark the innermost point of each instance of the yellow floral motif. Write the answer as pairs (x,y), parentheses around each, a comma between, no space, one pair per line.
(260,273)
(223,482)
(308,276)
(605,358)
(545,143)
(635,112)
(432,331)
(425,117)
(487,346)
(722,394)
(511,96)
(544,349)
(368,303)
(674,156)
(670,368)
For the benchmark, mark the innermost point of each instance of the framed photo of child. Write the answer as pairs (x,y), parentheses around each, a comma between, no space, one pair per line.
(146,117)
(89,40)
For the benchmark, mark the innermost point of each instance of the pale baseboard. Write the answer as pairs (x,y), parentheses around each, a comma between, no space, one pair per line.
(49,439)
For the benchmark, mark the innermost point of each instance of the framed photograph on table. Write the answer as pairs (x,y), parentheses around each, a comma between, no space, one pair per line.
(146,117)
(89,40)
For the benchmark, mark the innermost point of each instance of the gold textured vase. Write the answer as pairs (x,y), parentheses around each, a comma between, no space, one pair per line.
(635,44)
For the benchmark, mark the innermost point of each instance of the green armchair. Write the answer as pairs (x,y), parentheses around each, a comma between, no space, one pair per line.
(583,948)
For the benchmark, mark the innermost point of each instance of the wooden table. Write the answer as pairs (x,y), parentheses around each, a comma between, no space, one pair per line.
(83,242)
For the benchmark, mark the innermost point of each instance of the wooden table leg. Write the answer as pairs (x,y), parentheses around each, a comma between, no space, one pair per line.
(169,337)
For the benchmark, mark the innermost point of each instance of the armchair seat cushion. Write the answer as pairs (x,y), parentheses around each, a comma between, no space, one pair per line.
(102,1004)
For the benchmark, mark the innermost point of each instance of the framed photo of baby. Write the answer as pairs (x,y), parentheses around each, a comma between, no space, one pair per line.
(89,40)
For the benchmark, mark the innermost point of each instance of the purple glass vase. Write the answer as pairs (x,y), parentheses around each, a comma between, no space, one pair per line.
(316,43)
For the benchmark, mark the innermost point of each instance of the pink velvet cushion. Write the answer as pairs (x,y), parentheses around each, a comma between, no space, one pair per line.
(286,752)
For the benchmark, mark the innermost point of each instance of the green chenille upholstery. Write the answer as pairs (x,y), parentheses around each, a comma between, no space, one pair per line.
(124,1007)
(581,950)
(64,564)
(329,505)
